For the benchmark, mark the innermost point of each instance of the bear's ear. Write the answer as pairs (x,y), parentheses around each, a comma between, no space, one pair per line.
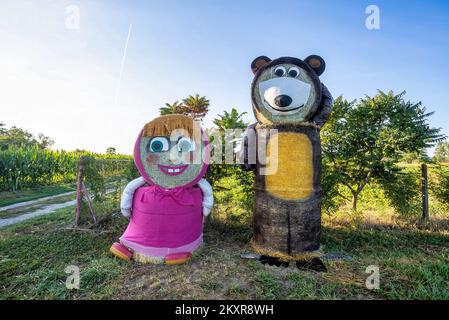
(259,62)
(316,63)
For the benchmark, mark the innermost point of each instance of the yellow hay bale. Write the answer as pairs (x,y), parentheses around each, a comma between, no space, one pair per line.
(165,125)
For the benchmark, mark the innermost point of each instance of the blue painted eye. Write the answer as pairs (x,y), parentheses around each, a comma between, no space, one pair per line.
(158,144)
(186,145)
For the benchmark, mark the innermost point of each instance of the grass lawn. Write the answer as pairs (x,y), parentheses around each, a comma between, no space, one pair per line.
(7,198)
(414,264)
(36,206)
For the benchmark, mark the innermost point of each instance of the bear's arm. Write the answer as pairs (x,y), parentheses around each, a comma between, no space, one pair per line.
(325,107)
(247,154)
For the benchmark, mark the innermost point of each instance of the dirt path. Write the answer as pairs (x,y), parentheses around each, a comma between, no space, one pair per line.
(22,211)
(33,202)
(39,212)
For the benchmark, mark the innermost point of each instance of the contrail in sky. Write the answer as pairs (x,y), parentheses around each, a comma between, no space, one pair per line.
(117,91)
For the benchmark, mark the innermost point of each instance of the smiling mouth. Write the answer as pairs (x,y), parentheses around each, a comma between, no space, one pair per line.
(173,170)
(284,110)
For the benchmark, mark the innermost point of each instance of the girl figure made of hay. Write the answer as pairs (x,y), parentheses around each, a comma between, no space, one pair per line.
(167,203)
(290,104)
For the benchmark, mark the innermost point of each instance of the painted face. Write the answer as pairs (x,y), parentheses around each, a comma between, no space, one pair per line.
(171,161)
(285,91)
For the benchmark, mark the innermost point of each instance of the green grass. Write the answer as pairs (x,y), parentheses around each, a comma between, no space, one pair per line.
(413,264)
(7,198)
(39,205)
(34,255)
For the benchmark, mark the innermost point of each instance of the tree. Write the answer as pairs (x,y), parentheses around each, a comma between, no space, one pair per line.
(17,137)
(111,150)
(2,129)
(174,108)
(442,152)
(196,106)
(44,141)
(365,140)
(413,157)
(230,120)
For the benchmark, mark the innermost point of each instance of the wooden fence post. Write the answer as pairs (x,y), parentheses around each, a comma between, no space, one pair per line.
(79,190)
(425,194)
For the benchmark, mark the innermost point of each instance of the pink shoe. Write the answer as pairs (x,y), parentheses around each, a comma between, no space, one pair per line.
(178,258)
(121,252)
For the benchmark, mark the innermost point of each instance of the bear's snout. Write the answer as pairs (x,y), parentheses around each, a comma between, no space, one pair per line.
(283,100)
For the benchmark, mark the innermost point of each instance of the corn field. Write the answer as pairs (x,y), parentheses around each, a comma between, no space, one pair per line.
(30,167)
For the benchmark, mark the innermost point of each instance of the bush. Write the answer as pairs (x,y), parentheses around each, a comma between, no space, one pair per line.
(440,186)
(403,192)
(233,191)
(330,189)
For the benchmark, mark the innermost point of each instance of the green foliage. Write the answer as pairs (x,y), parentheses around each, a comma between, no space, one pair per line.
(365,140)
(24,167)
(330,189)
(196,106)
(193,106)
(17,137)
(403,192)
(93,178)
(174,108)
(130,171)
(442,152)
(414,157)
(31,166)
(440,188)
(232,185)
(230,120)
(111,151)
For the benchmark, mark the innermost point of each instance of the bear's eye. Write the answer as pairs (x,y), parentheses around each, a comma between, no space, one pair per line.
(158,144)
(186,145)
(279,71)
(293,72)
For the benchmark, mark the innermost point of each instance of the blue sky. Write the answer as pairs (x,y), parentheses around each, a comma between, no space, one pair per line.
(64,82)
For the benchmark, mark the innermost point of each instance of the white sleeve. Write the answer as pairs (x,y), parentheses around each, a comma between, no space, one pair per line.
(208,197)
(127,196)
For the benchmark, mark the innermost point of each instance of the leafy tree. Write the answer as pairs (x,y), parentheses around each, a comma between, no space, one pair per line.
(193,106)
(174,108)
(44,141)
(2,129)
(111,150)
(365,140)
(17,137)
(218,172)
(230,120)
(440,188)
(442,152)
(413,157)
(402,192)
(196,106)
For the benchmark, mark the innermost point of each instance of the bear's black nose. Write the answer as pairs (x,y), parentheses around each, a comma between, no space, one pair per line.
(283,101)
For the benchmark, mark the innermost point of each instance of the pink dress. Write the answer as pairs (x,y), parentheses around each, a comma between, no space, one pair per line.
(165,221)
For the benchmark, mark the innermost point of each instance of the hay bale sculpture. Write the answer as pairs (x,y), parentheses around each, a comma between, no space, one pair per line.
(167,203)
(287,96)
